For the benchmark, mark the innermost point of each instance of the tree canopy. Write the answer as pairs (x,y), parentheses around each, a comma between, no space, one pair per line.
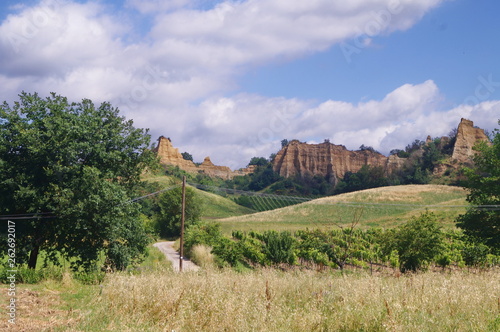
(76,166)
(483,182)
(168,219)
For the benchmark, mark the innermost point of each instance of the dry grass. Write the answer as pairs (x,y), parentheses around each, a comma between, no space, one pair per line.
(41,307)
(202,256)
(270,300)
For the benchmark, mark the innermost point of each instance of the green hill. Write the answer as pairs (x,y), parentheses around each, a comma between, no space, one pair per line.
(214,206)
(379,207)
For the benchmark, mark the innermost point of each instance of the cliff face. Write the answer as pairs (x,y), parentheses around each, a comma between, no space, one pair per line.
(171,156)
(330,160)
(333,161)
(467,137)
(325,159)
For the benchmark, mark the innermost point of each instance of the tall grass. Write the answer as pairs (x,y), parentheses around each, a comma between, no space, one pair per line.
(270,300)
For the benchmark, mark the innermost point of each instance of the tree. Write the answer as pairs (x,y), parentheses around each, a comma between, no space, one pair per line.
(418,241)
(168,220)
(366,148)
(187,156)
(483,183)
(258,161)
(431,155)
(75,166)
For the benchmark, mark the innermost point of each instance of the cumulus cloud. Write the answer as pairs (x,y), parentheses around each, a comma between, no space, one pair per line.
(180,77)
(232,130)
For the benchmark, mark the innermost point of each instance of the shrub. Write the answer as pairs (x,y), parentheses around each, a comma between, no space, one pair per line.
(418,242)
(278,247)
(475,255)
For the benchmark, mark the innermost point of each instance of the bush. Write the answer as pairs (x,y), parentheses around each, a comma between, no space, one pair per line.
(418,242)
(278,247)
(90,277)
(26,275)
(475,255)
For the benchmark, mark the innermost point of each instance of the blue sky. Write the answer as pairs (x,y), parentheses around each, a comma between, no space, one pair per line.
(452,45)
(231,79)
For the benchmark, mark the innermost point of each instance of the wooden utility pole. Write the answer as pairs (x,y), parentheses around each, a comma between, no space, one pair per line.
(183,216)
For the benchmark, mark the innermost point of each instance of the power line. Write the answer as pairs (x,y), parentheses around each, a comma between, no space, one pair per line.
(492,207)
(153,194)
(249,193)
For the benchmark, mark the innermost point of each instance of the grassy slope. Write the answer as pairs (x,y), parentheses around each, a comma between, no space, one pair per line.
(214,206)
(396,204)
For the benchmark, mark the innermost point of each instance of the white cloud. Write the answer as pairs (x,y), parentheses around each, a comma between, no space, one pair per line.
(180,79)
(232,130)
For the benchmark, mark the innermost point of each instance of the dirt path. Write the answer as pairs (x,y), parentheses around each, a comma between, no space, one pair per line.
(173,256)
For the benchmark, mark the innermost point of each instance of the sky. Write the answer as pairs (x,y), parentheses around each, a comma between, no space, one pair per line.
(231,79)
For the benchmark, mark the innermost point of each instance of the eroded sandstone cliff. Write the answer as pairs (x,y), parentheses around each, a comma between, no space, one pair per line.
(330,160)
(171,156)
(333,161)
(467,137)
(325,159)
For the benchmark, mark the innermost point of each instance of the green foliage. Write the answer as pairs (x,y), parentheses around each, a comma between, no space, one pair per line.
(81,164)
(187,156)
(90,277)
(208,234)
(431,155)
(367,177)
(263,177)
(26,275)
(168,219)
(410,247)
(367,148)
(483,182)
(475,255)
(258,161)
(176,172)
(418,242)
(278,247)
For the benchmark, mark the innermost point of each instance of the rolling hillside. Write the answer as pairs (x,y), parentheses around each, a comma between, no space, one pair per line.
(379,207)
(214,206)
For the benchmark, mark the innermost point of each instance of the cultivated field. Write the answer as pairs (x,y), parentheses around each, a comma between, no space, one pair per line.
(381,207)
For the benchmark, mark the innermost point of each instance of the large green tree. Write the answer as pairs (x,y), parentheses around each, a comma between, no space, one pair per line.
(168,219)
(76,166)
(482,220)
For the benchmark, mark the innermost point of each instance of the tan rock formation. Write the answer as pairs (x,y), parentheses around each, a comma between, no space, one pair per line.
(171,156)
(329,160)
(333,161)
(212,170)
(325,159)
(467,137)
